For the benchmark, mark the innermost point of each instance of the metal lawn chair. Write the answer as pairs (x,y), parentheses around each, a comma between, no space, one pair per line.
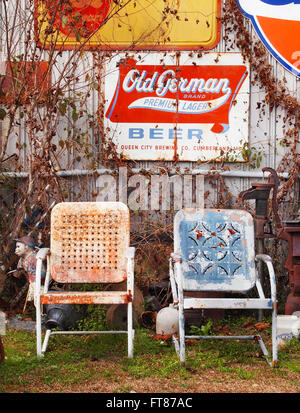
(214,251)
(89,243)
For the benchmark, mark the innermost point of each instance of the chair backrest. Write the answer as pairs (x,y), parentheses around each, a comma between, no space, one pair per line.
(217,247)
(88,242)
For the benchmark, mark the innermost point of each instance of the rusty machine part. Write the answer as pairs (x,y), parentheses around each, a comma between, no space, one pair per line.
(288,230)
(148,319)
(116,315)
(291,233)
(260,191)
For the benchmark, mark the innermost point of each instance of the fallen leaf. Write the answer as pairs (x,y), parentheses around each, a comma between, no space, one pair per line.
(261,326)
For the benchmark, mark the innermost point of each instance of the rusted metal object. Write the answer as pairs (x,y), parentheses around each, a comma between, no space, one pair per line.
(84,297)
(161,294)
(27,76)
(159,297)
(89,244)
(291,233)
(260,191)
(116,315)
(148,319)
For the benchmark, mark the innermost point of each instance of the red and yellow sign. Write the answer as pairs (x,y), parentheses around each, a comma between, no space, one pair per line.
(133,24)
(176,94)
(185,107)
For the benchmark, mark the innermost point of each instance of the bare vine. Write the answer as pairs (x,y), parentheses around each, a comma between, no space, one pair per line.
(277,93)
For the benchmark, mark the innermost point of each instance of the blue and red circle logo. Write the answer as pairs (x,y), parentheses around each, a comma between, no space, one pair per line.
(277,22)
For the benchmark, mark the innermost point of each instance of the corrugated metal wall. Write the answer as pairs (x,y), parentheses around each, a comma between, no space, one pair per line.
(265,133)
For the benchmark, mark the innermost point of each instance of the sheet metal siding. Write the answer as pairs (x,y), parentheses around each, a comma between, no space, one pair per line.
(265,131)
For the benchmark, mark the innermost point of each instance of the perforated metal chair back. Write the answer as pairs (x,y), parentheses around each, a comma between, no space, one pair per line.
(217,249)
(89,242)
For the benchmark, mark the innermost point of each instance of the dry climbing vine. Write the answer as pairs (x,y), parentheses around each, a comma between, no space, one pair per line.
(46,152)
(277,94)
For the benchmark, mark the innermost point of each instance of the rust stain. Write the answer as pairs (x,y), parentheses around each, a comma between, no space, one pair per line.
(199,234)
(89,242)
(129,297)
(87,297)
(162,336)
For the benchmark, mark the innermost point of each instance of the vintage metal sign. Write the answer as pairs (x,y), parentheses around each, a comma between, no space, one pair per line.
(135,24)
(277,22)
(177,107)
(32,78)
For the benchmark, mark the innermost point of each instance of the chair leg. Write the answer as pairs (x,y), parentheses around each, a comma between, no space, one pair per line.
(176,344)
(129,330)
(274,338)
(181,336)
(38,331)
(46,339)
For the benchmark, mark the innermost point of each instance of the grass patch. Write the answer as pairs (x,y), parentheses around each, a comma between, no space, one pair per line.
(71,361)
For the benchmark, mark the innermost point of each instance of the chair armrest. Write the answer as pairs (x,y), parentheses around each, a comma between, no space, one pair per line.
(42,253)
(130,252)
(176,257)
(268,261)
(40,257)
(173,281)
(175,261)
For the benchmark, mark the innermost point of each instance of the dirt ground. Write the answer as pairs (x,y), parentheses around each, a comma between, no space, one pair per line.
(208,381)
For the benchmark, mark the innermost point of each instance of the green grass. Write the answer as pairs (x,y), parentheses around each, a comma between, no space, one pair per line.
(73,360)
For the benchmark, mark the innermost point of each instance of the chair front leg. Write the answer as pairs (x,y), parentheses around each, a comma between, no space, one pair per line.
(38,308)
(130,291)
(272,278)
(178,277)
(129,330)
(181,334)
(274,337)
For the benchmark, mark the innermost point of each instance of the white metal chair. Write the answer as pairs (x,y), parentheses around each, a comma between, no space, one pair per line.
(214,250)
(89,243)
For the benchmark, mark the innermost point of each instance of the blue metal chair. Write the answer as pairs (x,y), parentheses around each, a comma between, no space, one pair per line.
(214,250)
(89,243)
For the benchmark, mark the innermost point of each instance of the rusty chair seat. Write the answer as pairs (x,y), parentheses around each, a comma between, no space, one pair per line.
(85,297)
(214,251)
(89,244)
